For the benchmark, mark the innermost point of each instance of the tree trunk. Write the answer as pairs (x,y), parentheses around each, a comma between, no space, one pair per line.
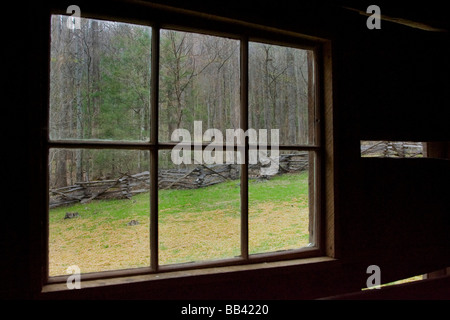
(311,139)
(311,97)
(61,169)
(95,76)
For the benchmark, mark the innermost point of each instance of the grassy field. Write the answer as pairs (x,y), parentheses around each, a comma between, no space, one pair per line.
(194,225)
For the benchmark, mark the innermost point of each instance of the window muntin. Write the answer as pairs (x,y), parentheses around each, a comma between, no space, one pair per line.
(154,148)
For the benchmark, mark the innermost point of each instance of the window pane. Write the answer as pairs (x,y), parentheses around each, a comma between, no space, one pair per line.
(199,81)
(280,92)
(99,210)
(392,149)
(99,80)
(199,211)
(279,208)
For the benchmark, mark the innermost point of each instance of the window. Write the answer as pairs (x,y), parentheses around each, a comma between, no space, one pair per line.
(170,149)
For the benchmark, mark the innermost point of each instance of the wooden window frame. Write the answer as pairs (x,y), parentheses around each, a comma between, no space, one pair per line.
(322,147)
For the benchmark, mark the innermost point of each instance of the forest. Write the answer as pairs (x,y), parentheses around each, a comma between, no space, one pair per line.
(100,90)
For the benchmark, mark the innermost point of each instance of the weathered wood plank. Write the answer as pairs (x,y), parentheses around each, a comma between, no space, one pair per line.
(188,178)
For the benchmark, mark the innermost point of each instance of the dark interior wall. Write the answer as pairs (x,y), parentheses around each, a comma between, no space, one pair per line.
(392,85)
(407,83)
(388,84)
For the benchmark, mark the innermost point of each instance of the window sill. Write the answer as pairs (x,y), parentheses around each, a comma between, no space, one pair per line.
(298,264)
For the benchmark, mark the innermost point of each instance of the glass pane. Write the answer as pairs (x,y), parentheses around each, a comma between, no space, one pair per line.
(279,204)
(99,80)
(99,210)
(199,210)
(199,81)
(281,94)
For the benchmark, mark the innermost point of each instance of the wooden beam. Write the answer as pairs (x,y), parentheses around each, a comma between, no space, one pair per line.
(401,21)
(243,123)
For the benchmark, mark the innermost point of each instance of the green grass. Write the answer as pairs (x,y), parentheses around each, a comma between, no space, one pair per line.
(194,225)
